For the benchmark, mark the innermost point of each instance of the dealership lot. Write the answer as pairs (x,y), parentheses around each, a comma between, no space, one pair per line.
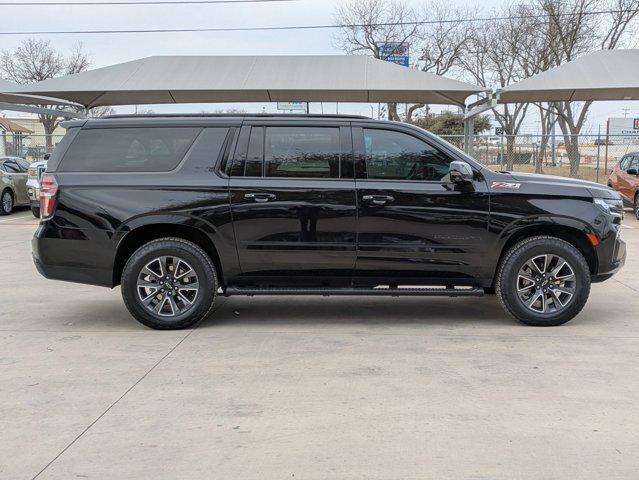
(389,388)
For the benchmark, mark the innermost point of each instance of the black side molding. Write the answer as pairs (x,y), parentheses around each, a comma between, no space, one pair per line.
(384,292)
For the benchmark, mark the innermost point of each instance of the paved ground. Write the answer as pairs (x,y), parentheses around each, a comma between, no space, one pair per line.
(313,388)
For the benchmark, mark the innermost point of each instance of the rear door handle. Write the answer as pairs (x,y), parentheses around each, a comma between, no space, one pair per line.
(378,199)
(260,197)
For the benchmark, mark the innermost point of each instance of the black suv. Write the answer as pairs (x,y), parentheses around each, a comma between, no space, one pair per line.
(179,209)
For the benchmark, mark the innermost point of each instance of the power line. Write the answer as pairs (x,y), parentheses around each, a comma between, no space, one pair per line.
(305,27)
(137,2)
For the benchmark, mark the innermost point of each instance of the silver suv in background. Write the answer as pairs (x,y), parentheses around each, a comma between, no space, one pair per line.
(35,172)
(13,183)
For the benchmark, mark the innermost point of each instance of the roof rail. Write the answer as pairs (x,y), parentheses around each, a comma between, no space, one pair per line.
(238,115)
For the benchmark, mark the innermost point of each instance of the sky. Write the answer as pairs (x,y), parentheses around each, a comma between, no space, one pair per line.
(106,50)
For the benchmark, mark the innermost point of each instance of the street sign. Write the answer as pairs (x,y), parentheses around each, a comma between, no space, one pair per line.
(302,106)
(395,52)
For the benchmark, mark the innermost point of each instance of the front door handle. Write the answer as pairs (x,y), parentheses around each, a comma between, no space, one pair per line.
(378,199)
(260,197)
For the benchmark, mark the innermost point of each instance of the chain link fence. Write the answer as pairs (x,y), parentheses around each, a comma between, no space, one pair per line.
(590,157)
(30,147)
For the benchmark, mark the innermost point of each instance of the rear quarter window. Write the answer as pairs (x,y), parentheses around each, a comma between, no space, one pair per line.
(157,149)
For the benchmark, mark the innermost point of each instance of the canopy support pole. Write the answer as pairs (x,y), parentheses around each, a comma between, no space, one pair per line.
(470,112)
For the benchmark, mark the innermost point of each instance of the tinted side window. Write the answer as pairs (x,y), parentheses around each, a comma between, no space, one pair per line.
(128,149)
(302,152)
(395,155)
(255,153)
(23,164)
(634,163)
(11,167)
(623,164)
(207,149)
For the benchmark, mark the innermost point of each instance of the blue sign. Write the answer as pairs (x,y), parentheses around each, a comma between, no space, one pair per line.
(395,52)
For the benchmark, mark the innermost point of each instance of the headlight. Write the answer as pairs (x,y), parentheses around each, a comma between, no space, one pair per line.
(613,206)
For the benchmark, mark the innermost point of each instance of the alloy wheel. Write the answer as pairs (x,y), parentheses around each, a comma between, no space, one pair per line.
(546,284)
(7,202)
(168,286)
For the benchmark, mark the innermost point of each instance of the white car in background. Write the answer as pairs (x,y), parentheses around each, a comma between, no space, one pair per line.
(36,169)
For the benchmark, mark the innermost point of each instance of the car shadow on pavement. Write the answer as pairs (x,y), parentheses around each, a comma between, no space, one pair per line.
(358,310)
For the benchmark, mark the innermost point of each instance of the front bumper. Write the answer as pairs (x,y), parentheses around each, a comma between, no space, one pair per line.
(611,256)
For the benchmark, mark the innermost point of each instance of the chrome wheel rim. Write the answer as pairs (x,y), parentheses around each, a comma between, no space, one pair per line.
(546,284)
(7,202)
(168,286)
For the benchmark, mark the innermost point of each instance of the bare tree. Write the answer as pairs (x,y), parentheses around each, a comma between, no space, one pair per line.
(366,25)
(440,42)
(99,112)
(36,60)
(574,28)
(493,60)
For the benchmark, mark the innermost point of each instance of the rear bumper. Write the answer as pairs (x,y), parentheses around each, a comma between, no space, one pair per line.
(70,255)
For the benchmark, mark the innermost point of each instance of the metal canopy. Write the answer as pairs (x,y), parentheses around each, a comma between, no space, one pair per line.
(603,75)
(212,79)
(6,97)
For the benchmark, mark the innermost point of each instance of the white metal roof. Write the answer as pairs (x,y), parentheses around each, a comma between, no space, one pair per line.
(211,79)
(602,75)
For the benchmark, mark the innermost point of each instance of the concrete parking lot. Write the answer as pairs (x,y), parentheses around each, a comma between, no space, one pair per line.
(313,388)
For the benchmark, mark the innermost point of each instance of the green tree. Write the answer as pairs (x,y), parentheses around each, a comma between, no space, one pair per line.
(450,123)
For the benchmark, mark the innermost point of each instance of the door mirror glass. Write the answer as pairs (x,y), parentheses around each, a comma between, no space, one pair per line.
(460,172)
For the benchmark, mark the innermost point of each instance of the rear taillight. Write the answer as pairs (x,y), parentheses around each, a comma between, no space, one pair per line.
(48,195)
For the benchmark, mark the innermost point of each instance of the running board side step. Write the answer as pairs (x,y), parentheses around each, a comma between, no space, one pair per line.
(386,292)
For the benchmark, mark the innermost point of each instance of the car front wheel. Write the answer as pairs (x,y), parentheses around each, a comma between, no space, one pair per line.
(169,283)
(637,206)
(543,281)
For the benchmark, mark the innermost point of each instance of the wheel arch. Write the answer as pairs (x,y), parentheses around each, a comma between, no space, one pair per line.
(572,231)
(140,234)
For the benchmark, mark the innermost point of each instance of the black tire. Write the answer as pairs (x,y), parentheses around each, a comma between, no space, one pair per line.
(183,250)
(636,207)
(35,211)
(6,202)
(507,281)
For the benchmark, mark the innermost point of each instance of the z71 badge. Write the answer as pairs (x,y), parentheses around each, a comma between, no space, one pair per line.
(508,185)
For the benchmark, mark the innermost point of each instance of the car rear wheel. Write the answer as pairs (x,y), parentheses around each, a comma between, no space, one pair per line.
(169,283)
(6,202)
(543,281)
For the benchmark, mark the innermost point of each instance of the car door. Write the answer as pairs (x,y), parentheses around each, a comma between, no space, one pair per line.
(414,225)
(624,179)
(632,178)
(18,176)
(293,202)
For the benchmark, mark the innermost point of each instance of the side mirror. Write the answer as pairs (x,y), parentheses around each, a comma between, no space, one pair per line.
(460,172)
(632,171)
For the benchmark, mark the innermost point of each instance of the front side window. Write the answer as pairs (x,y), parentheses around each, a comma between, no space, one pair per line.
(302,152)
(128,149)
(623,164)
(634,163)
(392,155)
